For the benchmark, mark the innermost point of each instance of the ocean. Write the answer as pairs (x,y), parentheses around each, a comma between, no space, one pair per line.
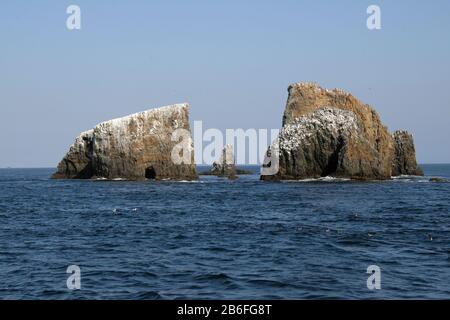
(221,239)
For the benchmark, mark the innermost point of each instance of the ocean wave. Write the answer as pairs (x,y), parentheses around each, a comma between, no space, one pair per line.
(321,179)
(405,176)
(417,179)
(223,240)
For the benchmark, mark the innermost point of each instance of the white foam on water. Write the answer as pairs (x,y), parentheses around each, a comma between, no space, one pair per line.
(321,179)
(411,178)
(405,176)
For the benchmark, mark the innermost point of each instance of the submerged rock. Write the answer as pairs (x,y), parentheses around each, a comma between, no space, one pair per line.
(331,133)
(225,166)
(438,180)
(134,147)
(404,155)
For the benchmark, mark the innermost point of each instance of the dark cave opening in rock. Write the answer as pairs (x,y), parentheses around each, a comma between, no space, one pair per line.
(333,160)
(150,173)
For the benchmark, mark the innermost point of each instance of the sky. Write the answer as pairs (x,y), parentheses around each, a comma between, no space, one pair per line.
(232,61)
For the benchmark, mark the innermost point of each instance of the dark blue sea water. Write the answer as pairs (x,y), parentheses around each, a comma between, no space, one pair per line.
(223,239)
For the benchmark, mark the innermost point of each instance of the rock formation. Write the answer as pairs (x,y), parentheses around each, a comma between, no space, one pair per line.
(438,180)
(331,133)
(404,155)
(134,147)
(225,166)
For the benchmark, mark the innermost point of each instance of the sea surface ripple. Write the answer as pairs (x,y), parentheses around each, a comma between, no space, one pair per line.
(220,239)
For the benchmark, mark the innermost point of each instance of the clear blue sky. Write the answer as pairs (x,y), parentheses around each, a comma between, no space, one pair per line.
(231,60)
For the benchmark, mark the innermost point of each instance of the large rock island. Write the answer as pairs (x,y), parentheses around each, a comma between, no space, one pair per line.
(134,147)
(331,133)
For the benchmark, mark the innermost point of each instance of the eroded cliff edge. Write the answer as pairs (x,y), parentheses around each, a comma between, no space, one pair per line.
(134,147)
(331,133)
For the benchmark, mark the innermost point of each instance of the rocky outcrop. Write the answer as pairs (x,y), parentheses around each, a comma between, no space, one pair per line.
(225,166)
(404,155)
(77,163)
(134,147)
(331,133)
(438,180)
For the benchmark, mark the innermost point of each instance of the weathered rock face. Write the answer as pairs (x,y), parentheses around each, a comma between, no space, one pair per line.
(77,164)
(134,147)
(404,155)
(225,166)
(331,133)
